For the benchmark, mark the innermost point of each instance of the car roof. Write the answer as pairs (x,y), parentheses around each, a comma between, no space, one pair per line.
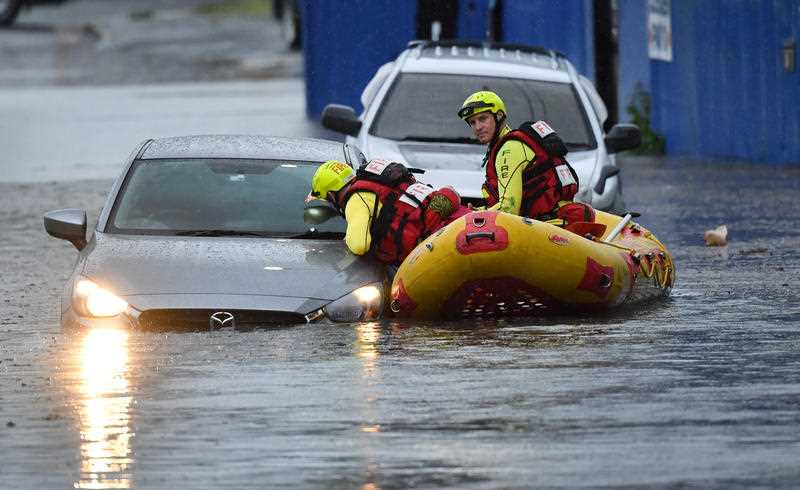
(491,59)
(242,146)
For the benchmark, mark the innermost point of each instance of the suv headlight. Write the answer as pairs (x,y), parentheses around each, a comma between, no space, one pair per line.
(363,304)
(92,300)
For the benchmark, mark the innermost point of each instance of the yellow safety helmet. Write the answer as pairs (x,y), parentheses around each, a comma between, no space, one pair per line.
(482,101)
(331,176)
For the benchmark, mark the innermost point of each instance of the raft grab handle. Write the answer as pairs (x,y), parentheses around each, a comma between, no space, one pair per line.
(480,234)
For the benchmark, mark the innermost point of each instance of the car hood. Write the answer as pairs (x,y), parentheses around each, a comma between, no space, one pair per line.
(461,165)
(227,267)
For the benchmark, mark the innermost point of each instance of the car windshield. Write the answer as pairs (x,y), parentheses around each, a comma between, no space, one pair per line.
(423,107)
(212,197)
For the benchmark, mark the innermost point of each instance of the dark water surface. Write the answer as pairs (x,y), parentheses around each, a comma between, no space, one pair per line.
(702,389)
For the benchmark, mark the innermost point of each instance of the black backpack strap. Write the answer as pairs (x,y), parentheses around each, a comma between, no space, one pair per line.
(398,234)
(383,220)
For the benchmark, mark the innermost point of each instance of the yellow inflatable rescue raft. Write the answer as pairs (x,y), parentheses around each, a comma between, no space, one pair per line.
(489,263)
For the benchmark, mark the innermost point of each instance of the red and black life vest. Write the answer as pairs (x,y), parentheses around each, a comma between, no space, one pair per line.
(404,219)
(546,180)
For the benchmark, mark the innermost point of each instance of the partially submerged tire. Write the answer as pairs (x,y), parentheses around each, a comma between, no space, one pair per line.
(8,11)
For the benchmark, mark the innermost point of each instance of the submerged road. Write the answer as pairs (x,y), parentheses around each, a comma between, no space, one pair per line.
(701,390)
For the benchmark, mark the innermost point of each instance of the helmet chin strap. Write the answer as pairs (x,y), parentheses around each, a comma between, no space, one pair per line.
(333,196)
(498,125)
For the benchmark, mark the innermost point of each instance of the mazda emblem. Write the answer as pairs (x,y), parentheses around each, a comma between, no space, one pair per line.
(221,319)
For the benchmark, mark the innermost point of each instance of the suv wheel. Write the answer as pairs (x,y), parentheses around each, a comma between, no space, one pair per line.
(8,11)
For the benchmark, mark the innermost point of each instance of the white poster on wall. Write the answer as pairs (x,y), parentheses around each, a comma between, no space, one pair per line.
(659,30)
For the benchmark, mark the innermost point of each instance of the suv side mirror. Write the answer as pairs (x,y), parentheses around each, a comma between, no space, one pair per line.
(341,118)
(67,224)
(623,137)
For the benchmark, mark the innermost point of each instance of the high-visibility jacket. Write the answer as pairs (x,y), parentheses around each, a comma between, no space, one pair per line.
(546,181)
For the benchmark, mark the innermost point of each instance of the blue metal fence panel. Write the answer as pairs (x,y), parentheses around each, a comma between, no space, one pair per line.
(565,26)
(726,94)
(344,43)
(787,90)
(473,19)
(672,95)
(634,65)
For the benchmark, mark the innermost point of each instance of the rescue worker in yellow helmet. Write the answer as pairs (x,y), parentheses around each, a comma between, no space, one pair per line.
(388,212)
(526,172)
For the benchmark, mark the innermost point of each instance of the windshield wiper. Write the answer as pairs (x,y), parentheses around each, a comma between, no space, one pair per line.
(224,233)
(319,235)
(435,139)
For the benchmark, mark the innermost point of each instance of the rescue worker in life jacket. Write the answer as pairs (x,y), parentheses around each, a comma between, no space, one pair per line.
(387,211)
(526,172)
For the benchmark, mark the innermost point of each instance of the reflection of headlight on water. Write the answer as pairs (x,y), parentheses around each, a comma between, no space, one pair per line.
(367,337)
(104,358)
(91,299)
(105,411)
(363,304)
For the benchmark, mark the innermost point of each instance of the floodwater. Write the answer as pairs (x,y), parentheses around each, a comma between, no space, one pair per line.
(700,390)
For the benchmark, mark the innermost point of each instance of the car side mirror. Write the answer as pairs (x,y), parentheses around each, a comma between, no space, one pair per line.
(623,137)
(67,224)
(318,211)
(341,118)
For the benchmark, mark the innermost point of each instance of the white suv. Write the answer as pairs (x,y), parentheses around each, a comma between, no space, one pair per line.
(410,108)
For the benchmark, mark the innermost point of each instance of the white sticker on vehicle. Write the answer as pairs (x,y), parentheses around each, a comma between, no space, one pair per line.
(419,191)
(542,128)
(564,175)
(376,166)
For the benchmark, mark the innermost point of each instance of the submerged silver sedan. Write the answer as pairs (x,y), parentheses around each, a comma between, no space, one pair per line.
(209,232)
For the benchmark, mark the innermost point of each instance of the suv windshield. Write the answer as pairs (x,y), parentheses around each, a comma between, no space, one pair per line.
(423,106)
(218,197)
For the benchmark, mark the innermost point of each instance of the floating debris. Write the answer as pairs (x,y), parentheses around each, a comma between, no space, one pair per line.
(716,237)
(754,251)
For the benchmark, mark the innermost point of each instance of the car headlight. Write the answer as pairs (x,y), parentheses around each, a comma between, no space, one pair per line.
(92,300)
(363,304)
